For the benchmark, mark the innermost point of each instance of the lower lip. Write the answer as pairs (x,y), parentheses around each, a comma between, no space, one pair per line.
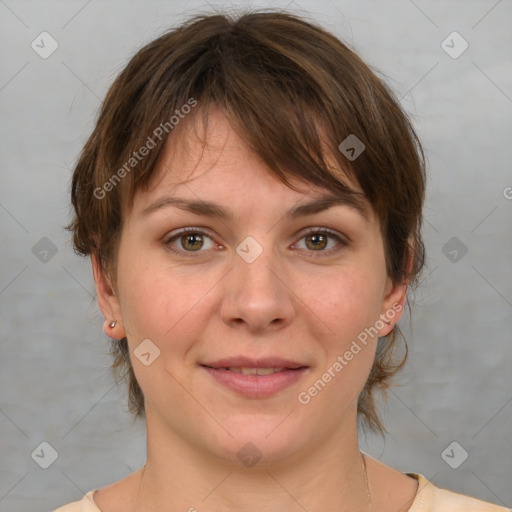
(256,386)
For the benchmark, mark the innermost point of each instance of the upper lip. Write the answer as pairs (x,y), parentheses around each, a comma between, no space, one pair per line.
(247,362)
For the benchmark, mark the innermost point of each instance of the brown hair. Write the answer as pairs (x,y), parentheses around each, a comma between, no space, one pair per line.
(294,92)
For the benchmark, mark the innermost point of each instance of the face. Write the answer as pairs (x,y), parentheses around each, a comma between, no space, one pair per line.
(258,287)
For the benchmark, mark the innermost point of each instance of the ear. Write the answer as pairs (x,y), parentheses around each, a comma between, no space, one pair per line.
(107,301)
(392,307)
(393,304)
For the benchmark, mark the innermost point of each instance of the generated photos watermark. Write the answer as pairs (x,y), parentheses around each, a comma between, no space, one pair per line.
(144,150)
(304,397)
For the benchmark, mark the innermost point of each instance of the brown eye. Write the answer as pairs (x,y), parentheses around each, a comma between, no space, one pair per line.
(316,241)
(322,241)
(190,240)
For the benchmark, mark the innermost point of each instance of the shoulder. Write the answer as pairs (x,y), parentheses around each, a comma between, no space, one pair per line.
(86,504)
(116,496)
(430,498)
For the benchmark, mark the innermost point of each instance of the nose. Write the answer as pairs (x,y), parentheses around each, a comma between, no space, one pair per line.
(257,296)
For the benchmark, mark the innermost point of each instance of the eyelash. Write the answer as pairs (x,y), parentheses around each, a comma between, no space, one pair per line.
(311,231)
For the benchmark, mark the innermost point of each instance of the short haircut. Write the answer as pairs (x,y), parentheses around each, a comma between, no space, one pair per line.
(293,92)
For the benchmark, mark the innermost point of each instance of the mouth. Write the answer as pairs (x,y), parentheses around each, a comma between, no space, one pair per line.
(247,363)
(254,371)
(256,378)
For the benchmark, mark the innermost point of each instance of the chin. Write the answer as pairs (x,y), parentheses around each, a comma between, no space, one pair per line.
(258,439)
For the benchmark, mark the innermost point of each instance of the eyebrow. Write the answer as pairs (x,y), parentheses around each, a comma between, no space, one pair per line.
(211,209)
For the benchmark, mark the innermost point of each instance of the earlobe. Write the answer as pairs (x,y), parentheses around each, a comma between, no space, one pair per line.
(110,329)
(107,301)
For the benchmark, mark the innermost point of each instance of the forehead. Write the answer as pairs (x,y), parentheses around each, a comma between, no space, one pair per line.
(212,159)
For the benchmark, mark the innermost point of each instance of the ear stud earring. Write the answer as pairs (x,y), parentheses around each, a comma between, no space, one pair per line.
(113,324)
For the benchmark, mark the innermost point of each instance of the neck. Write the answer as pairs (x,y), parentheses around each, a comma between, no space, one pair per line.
(328,474)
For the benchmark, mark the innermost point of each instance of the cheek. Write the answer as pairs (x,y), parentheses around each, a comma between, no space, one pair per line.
(158,305)
(344,302)
(343,308)
(162,302)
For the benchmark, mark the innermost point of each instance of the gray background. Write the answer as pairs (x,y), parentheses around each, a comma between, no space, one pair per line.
(55,383)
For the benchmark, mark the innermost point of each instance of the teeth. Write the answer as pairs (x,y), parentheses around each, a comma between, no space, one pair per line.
(255,371)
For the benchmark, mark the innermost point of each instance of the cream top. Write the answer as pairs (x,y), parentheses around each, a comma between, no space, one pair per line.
(429,498)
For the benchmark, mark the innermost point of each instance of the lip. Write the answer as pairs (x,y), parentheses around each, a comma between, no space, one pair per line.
(247,362)
(257,386)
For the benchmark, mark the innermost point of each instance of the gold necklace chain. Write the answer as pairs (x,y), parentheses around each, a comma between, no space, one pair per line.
(367,483)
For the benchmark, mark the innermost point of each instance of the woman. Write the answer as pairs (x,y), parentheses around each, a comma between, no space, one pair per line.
(251,199)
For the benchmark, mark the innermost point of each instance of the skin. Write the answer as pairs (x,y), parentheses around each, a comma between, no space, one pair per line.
(294,301)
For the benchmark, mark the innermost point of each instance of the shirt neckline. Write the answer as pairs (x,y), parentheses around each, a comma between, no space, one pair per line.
(418,504)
